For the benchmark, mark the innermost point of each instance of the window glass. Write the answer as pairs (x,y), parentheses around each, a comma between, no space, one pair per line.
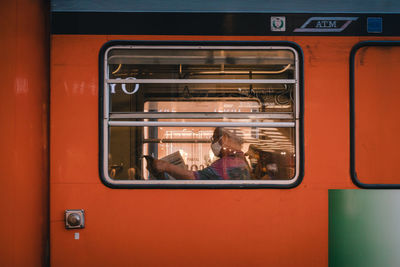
(210,114)
(376,93)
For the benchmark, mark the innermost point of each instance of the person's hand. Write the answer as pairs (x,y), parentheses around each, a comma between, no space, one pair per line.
(155,166)
(159,165)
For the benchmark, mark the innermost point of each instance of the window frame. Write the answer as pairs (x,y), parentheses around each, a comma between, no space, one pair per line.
(353,172)
(212,184)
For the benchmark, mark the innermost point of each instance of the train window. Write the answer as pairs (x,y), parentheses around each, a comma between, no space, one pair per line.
(375,122)
(208,116)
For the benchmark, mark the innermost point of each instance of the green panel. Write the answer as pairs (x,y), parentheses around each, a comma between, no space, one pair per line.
(364,228)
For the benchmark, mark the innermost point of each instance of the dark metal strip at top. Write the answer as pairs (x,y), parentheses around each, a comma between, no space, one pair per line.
(234,24)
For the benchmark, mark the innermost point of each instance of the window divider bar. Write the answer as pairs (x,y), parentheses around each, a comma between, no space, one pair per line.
(200,115)
(201,124)
(194,81)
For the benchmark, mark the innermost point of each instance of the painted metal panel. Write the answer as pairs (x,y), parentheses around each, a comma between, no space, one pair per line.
(292,6)
(153,227)
(24,130)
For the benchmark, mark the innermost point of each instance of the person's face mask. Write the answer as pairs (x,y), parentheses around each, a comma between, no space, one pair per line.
(216,147)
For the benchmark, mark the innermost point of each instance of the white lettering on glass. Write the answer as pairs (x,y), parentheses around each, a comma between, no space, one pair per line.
(112,85)
(123,87)
(126,91)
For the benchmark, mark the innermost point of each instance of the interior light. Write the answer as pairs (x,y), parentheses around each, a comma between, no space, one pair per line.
(279,137)
(272,133)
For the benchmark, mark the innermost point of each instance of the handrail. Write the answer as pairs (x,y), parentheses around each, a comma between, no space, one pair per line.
(193,81)
(200,115)
(201,124)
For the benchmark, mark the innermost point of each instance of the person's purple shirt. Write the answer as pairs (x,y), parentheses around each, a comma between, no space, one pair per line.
(225,168)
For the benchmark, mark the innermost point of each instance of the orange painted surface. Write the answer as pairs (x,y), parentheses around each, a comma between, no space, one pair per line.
(377,97)
(265,227)
(23,143)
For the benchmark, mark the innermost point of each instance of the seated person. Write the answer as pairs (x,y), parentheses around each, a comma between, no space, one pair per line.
(262,163)
(231,164)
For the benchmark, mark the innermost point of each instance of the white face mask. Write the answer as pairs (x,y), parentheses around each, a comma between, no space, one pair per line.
(216,148)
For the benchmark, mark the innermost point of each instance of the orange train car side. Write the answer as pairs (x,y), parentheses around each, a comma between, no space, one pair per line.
(277,227)
(24,137)
(60,126)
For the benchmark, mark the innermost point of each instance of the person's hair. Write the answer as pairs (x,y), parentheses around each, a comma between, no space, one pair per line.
(231,134)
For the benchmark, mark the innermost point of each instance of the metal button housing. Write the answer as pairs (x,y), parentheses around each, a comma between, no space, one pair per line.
(74,219)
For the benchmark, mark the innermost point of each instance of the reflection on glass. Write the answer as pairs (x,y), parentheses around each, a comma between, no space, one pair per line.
(268,152)
(196,59)
(240,90)
(270,97)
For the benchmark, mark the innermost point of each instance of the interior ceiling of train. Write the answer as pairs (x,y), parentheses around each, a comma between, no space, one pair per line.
(250,6)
